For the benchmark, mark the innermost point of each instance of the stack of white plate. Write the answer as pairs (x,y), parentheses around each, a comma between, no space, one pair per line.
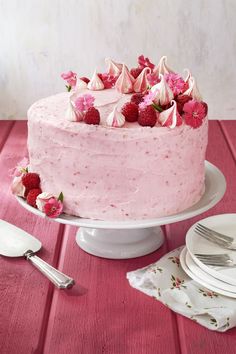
(221,280)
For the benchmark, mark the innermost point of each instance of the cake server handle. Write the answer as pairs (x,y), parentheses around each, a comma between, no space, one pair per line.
(59,279)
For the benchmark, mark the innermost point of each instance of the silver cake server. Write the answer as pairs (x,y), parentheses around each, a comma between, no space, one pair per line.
(15,242)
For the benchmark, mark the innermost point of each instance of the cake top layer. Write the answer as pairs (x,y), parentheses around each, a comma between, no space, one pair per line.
(148,95)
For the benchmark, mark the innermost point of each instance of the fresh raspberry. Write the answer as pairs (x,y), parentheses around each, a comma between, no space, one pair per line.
(135,72)
(147,117)
(32,196)
(85,79)
(30,180)
(92,116)
(137,98)
(130,111)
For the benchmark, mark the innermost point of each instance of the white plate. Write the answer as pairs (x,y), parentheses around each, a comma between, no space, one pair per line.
(199,280)
(207,277)
(215,186)
(224,223)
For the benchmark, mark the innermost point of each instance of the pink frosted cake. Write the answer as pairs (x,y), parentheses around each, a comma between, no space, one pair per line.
(127,144)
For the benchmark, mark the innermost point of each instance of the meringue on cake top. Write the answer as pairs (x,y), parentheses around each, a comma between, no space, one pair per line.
(125,145)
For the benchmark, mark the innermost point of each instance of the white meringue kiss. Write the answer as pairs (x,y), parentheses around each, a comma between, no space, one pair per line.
(70,113)
(170,117)
(193,90)
(95,84)
(162,67)
(125,81)
(115,119)
(141,83)
(80,85)
(164,92)
(42,199)
(113,68)
(17,187)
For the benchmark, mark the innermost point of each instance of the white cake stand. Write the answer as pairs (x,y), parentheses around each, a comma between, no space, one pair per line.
(134,238)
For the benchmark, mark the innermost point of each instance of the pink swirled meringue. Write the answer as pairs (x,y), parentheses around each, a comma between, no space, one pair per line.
(95,84)
(193,89)
(114,69)
(162,67)
(170,117)
(115,119)
(164,92)
(17,187)
(188,75)
(70,113)
(125,82)
(80,85)
(141,83)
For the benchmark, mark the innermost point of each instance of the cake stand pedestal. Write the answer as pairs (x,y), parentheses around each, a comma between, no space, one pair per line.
(134,238)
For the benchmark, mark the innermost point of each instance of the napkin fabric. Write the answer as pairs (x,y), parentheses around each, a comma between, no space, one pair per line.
(166,281)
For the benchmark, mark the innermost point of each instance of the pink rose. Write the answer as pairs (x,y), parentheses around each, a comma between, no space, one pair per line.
(53,207)
(70,78)
(49,205)
(20,168)
(17,187)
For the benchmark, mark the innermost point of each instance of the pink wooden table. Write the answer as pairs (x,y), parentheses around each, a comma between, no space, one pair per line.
(102,313)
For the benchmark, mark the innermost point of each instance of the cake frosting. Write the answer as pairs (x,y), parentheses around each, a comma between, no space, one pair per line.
(118,169)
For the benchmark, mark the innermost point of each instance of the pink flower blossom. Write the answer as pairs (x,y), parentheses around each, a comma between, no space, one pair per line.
(145,62)
(70,78)
(194,113)
(176,83)
(53,207)
(84,102)
(148,99)
(20,168)
(108,80)
(153,79)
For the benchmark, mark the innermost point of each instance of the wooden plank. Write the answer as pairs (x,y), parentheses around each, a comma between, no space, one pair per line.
(25,294)
(193,337)
(5,128)
(229,130)
(104,314)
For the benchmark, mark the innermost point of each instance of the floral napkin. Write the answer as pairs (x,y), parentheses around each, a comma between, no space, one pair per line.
(166,281)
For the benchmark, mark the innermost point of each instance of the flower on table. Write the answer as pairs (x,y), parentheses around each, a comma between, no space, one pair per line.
(71,78)
(49,204)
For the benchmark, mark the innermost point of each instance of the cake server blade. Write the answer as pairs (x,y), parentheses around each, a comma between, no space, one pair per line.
(15,242)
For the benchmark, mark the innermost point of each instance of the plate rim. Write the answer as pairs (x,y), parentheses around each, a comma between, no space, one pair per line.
(203,266)
(207,275)
(207,286)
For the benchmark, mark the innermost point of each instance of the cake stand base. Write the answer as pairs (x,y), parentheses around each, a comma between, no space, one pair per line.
(119,244)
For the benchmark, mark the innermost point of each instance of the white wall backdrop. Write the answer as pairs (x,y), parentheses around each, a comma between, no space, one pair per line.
(42,38)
